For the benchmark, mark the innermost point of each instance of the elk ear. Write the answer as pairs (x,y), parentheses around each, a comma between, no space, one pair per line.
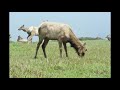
(84,44)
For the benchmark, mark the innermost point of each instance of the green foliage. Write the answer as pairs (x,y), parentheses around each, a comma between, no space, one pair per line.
(11,42)
(95,64)
(90,38)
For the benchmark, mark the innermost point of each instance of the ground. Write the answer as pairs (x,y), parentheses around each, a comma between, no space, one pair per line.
(95,64)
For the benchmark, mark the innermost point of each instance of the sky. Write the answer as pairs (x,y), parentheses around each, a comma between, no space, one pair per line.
(83,24)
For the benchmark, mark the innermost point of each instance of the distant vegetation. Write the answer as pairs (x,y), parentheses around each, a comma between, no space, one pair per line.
(20,42)
(11,41)
(90,38)
(81,38)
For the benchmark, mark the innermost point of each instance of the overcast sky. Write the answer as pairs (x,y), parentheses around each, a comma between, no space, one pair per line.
(84,24)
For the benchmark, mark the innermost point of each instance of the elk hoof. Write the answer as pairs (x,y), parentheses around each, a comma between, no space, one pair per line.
(35,57)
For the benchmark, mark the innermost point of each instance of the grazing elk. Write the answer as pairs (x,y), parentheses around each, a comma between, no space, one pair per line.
(20,39)
(61,32)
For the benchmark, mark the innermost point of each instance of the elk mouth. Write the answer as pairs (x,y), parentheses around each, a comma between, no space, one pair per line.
(82,54)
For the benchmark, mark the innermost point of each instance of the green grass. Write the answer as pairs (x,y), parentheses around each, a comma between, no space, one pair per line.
(95,64)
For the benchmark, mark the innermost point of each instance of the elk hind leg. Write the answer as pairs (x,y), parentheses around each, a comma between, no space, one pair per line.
(43,47)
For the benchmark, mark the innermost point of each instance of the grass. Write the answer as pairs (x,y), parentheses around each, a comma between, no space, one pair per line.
(95,64)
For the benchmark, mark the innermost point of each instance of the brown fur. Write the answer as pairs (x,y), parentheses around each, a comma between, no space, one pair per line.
(61,32)
(74,41)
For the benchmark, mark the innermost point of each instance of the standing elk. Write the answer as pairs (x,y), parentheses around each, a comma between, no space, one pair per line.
(31,31)
(61,32)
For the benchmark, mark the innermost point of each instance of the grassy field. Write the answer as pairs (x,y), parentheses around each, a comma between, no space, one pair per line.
(95,64)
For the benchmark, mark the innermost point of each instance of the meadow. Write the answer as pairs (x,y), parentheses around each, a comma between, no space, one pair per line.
(95,64)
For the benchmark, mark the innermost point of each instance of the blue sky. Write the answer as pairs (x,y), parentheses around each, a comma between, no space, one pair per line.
(84,24)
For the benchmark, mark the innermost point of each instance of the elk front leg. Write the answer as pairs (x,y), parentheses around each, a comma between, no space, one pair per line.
(64,44)
(30,38)
(60,47)
(28,35)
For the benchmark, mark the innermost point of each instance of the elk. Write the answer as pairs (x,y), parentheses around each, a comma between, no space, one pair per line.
(31,31)
(63,34)
(20,39)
